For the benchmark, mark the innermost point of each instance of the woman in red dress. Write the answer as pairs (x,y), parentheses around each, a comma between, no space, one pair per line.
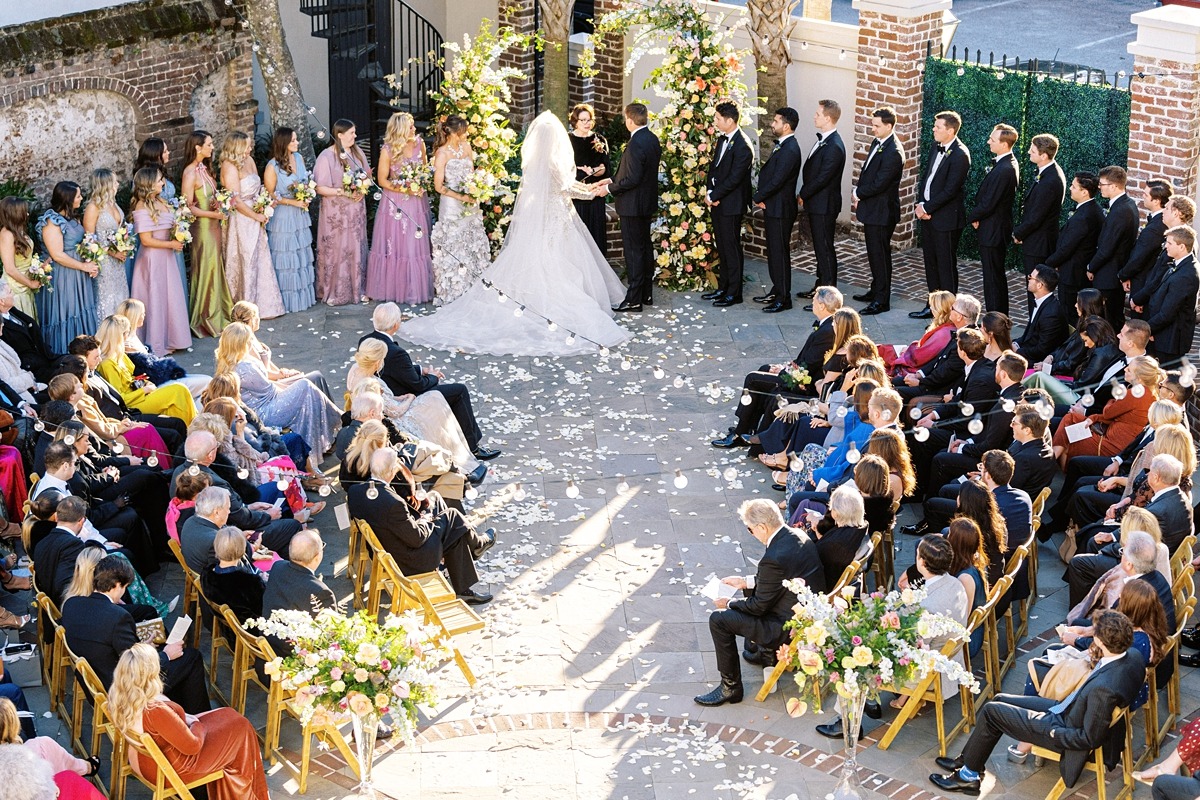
(934,340)
(1121,419)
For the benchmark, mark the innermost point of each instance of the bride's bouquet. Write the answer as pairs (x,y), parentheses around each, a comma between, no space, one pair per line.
(413,178)
(480,186)
(356,182)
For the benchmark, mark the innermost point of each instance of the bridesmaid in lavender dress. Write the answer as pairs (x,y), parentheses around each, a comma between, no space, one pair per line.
(247,256)
(156,280)
(289,231)
(401,263)
(342,230)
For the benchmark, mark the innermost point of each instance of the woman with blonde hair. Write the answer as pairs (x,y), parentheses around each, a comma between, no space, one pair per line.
(260,435)
(298,404)
(932,342)
(1119,422)
(247,257)
(246,313)
(156,280)
(142,438)
(103,217)
(115,367)
(846,325)
(195,746)
(162,370)
(356,466)
(289,230)
(69,772)
(400,267)
(342,227)
(145,605)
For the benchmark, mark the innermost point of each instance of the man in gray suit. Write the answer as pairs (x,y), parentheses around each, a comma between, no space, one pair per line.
(200,531)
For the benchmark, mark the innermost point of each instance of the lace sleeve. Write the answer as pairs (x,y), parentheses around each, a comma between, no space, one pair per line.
(578,190)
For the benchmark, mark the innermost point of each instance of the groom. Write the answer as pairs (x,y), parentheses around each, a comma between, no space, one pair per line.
(635,188)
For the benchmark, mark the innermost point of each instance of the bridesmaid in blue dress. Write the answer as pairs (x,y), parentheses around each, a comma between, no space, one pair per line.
(69,310)
(155,153)
(289,231)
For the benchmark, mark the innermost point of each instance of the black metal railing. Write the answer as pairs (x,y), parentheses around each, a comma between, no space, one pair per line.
(1051,67)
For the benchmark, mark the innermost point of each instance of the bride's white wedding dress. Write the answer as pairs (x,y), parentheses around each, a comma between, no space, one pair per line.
(549,264)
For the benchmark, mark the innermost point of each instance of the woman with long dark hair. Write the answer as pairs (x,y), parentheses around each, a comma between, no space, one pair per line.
(210,298)
(69,310)
(16,253)
(289,231)
(342,228)
(976,503)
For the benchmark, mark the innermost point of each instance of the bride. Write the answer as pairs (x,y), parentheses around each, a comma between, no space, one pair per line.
(549,265)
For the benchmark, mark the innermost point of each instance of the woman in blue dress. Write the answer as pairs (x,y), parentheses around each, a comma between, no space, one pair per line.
(70,309)
(289,230)
(154,153)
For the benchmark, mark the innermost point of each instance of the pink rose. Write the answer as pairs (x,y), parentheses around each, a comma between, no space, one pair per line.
(335,673)
(706,236)
(856,640)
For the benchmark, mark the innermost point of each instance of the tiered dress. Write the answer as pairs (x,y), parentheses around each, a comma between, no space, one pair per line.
(289,235)
(401,264)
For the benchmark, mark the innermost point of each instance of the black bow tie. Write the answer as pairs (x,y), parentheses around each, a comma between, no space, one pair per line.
(941,148)
(819,137)
(722,138)
(874,144)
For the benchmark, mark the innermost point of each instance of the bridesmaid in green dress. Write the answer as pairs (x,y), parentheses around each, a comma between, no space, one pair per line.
(16,253)
(211,301)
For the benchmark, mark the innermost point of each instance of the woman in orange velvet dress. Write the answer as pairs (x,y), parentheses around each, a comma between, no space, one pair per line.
(195,746)
(1119,422)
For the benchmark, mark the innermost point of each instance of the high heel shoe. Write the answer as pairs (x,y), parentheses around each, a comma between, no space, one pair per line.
(11,620)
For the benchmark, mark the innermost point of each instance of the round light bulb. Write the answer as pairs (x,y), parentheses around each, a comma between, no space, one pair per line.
(194,470)
(69,439)
(1088,400)
(377,196)
(730,474)
(841,412)
(975,426)
(39,426)
(519,311)
(552,325)
(680,479)
(519,493)
(1046,411)
(1138,390)
(915,411)
(659,373)
(372,491)
(243,473)
(746,398)
(852,455)
(921,434)
(885,415)
(572,490)
(1119,391)
(626,364)
(966,408)
(118,448)
(502,298)
(570,338)
(678,382)
(604,351)
(152,460)
(795,464)
(281,484)
(1008,404)
(325,490)
(471,493)
(781,402)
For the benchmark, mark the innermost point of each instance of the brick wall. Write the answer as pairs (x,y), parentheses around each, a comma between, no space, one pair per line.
(1164,123)
(609,81)
(519,15)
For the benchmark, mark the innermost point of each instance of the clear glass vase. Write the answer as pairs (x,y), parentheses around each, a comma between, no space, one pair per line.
(365,729)
(848,786)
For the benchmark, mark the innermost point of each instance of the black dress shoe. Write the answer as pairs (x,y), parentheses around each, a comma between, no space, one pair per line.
(648,301)
(485,453)
(865,297)
(1191,637)
(1189,660)
(920,529)
(474,598)
(477,475)
(779,487)
(716,294)
(732,440)
(489,541)
(625,308)
(873,710)
(949,764)
(875,308)
(727,301)
(808,307)
(724,693)
(808,295)
(924,313)
(831,730)
(777,306)
(953,783)
(764,298)
(383,731)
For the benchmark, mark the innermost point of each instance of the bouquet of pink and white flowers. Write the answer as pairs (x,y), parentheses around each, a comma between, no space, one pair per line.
(123,240)
(264,203)
(91,249)
(41,272)
(357,182)
(223,200)
(413,178)
(304,191)
(480,186)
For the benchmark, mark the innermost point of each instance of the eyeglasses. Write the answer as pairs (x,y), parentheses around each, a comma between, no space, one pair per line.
(1102,183)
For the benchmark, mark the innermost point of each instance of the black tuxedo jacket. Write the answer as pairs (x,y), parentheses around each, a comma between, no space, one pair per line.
(1145,252)
(944,200)
(1174,514)
(822,189)
(837,547)
(977,387)
(1035,466)
(54,562)
(23,334)
(818,343)
(1038,229)
(994,202)
(410,539)
(292,587)
(1171,313)
(792,554)
(10,400)
(997,426)
(1077,244)
(1154,278)
(728,182)
(878,189)
(107,398)
(635,186)
(777,180)
(399,372)
(944,371)
(1117,238)
(1045,332)
(99,631)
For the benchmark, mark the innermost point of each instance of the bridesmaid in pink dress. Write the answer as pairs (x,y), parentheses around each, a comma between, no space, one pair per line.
(248,266)
(156,280)
(342,230)
(401,264)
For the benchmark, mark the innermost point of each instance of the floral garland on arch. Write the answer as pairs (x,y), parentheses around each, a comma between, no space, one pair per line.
(700,69)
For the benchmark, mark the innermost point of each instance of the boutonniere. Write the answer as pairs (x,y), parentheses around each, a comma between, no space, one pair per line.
(988,169)
(1071,214)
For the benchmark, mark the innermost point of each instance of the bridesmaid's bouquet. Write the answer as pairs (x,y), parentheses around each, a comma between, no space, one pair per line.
(182,229)
(224,202)
(413,178)
(122,240)
(264,204)
(40,271)
(356,182)
(304,191)
(91,250)
(480,186)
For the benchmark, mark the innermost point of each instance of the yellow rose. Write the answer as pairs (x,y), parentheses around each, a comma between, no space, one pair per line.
(848,662)
(381,700)
(816,634)
(863,656)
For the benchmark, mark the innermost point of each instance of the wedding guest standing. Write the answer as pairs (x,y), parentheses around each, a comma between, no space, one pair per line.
(342,229)
(289,230)
(103,217)
(1117,238)
(210,292)
(876,203)
(247,258)
(156,281)
(69,310)
(1076,242)
(727,194)
(460,244)
(821,193)
(992,216)
(591,164)
(776,183)
(940,206)
(16,253)
(400,267)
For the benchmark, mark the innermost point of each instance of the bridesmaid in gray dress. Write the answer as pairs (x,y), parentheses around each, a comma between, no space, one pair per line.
(102,217)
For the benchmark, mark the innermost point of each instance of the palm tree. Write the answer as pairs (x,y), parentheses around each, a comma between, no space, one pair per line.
(556,27)
(284,100)
(771,23)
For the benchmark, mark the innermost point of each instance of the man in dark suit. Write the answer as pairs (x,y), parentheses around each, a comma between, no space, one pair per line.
(22,333)
(1035,467)
(992,216)
(1047,328)
(940,206)
(1077,241)
(821,192)
(1117,238)
(876,203)
(1074,727)
(775,196)
(762,385)
(1179,210)
(635,189)
(100,630)
(199,532)
(402,376)
(727,195)
(419,533)
(294,584)
(790,555)
(54,556)
(1037,232)
(946,368)
(1171,312)
(1149,244)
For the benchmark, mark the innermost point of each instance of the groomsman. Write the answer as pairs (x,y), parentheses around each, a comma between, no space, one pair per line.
(1149,243)
(1171,313)
(876,203)
(776,184)
(1077,241)
(635,188)
(727,196)
(821,192)
(1117,238)
(1179,210)
(992,216)
(940,206)
(1037,232)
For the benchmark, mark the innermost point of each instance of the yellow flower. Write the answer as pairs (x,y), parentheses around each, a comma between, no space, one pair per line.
(381,700)
(863,656)
(809,662)
(796,707)
(816,634)
(848,662)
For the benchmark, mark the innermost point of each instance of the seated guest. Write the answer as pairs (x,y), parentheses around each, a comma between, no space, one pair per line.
(18,730)
(1119,421)
(1070,355)
(764,383)
(162,370)
(246,313)
(1138,559)
(402,376)
(1102,364)
(39,522)
(12,700)
(855,431)
(997,334)
(198,534)
(1171,310)
(874,483)
(259,435)
(838,545)
(1165,781)
(969,566)
(12,372)
(847,328)
(1074,727)
(932,342)
(139,601)
(759,617)
(23,334)
(100,630)
(946,368)
(294,585)
(195,744)
(35,777)
(172,400)
(231,581)
(420,533)
(1047,328)
(183,504)
(889,444)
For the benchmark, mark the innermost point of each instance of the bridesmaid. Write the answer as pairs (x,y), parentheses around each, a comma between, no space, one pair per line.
(591,164)
(210,293)
(342,228)
(247,258)
(155,153)
(156,282)
(16,253)
(103,216)
(289,231)
(401,263)
(69,310)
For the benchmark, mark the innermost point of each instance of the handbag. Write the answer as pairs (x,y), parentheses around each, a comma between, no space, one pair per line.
(1063,677)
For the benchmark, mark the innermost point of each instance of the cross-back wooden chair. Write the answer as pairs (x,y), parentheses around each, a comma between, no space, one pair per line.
(884,562)
(191,592)
(1039,506)
(984,618)
(1096,764)
(929,690)
(862,558)
(1183,556)
(222,639)
(167,782)
(358,563)
(1156,729)
(1012,636)
(48,617)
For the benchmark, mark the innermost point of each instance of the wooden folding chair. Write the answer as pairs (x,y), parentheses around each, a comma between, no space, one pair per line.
(1030,545)
(1183,556)
(1156,730)
(358,558)
(248,650)
(64,671)
(191,592)
(1039,505)
(96,693)
(862,557)
(984,618)
(167,782)
(1096,764)
(1016,563)
(884,563)
(48,616)
(437,589)
(1183,586)
(221,639)
(929,690)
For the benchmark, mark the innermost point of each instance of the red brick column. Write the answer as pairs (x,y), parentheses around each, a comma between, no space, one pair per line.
(609,81)
(892,40)
(519,15)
